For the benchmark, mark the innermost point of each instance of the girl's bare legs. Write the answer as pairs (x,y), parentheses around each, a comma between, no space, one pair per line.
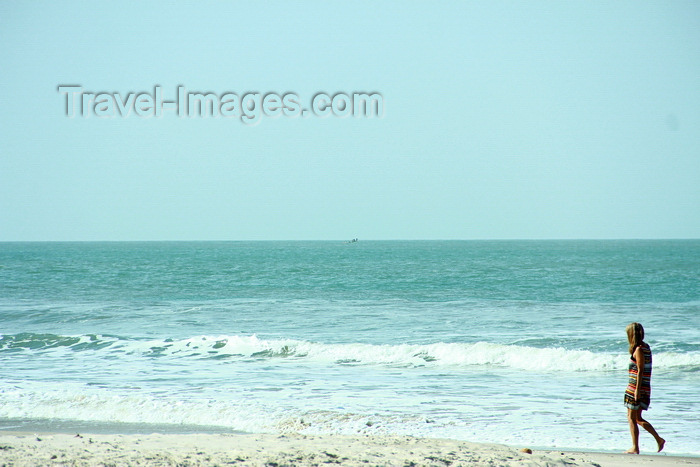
(647,426)
(636,420)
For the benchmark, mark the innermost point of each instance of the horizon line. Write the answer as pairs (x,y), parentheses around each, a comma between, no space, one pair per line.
(514,239)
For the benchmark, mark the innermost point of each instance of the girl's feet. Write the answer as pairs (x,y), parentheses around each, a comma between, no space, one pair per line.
(661,443)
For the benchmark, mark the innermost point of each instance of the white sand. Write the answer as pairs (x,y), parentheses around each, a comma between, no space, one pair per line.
(54,449)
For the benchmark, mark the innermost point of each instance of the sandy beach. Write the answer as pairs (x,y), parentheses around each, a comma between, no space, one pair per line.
(60,449)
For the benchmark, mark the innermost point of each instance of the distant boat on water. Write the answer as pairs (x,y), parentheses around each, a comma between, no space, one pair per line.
(354,240)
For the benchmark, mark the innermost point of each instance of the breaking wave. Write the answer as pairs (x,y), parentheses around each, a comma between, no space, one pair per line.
(224,347)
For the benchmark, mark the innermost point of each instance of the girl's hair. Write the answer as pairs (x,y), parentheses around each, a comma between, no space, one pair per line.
(635,335)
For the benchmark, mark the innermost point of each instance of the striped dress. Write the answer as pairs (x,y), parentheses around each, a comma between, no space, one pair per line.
(645,393)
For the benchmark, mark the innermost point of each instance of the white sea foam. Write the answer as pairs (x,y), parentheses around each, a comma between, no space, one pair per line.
(109,406)
(72,402)
(546,359)
(437,354)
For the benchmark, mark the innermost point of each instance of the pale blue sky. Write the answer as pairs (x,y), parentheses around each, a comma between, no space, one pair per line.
(502,120)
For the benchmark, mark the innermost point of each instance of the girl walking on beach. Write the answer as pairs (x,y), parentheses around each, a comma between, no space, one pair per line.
(638,392)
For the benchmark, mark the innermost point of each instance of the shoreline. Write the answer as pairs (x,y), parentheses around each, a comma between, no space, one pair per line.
(58,449)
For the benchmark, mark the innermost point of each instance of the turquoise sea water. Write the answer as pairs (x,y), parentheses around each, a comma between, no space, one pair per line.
(518,342)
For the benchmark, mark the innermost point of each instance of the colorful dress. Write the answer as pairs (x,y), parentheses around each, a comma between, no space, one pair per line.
(645,393)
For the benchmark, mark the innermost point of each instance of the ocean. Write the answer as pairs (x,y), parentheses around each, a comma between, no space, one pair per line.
(516,342)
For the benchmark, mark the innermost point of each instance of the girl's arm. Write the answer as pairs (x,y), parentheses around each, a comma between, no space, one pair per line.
(639,358)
